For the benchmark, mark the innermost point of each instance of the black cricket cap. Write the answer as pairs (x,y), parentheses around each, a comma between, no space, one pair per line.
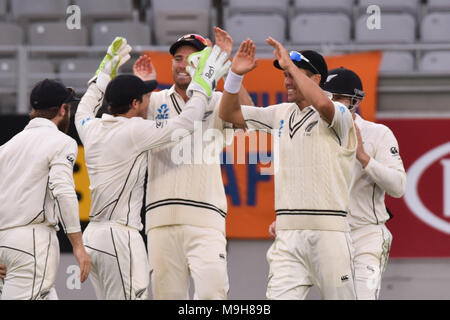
(193,40)
(124,88)
(50,93)
(344,81)
(316,64)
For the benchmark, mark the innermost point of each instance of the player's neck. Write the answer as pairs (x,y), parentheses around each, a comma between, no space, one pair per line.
(182,93)
(302,104)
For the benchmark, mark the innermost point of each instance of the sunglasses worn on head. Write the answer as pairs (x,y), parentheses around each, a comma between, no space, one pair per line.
(194,36)
(297,56)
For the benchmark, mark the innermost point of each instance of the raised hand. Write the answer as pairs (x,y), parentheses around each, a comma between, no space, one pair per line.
(280,53)
(144,69)
(223,40)
(244,61)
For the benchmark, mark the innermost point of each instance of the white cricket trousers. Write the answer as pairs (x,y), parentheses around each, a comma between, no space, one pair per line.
(119,269)
(31,255)
(177,251)
(372,244)
(299,259)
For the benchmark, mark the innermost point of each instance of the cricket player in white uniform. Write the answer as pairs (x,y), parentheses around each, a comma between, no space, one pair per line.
(379,170)
(317,144)
(37,192)
(116,148)
(186,203)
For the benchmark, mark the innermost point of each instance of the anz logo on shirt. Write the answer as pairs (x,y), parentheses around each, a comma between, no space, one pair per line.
(162,115)
(281,128)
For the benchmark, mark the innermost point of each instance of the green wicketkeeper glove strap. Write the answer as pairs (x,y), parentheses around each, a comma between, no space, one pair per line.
(118,53)
(206,67)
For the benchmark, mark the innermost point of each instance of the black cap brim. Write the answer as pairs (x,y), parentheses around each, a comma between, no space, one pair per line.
(186,42)
(71,97)
(301,65)
(150,85)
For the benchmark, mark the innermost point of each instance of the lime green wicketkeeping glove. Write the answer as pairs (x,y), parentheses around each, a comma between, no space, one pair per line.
(206,67)
(118,53)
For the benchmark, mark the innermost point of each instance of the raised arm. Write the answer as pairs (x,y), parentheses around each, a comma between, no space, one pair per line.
(243,62)
(118,53)
(210,64)
(386,167)
(308,88)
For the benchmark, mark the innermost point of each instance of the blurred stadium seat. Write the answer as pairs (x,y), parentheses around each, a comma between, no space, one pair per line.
(56,34)
(172,19)
(395,28)
(345,6)
(11,34)
(39,9)
(103,33)
(438,5)
(255,26)
(397,61)
(2,8)
(257,6)
(411,6)
(435,27)
(76,73)
(435,61)
(303,28)
(38,70)
(106,9)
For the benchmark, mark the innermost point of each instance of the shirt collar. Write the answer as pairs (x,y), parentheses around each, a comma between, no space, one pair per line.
(172,90)
(41,122)
(358,119)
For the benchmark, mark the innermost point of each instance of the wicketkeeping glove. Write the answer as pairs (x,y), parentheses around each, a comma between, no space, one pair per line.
(118,53)
(206,67)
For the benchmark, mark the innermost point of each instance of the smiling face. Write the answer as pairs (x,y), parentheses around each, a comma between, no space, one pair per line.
(179,62)
(293,93)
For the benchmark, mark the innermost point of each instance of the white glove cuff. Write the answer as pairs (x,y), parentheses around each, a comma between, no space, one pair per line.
(233,82)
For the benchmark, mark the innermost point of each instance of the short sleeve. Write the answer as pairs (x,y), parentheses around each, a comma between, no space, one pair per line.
(258,117)
(342,122)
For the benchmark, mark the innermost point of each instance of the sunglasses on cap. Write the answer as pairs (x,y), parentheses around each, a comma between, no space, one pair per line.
(194,36)
(297,56)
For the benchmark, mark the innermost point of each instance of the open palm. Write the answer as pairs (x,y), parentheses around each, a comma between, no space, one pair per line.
(244,61)
(144,69)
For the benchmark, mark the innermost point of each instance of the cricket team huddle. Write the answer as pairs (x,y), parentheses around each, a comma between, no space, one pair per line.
(334,169)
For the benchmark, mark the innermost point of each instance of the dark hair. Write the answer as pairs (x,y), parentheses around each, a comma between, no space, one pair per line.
(48,113)
(122,109)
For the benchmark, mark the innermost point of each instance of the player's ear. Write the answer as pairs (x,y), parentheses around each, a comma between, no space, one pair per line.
(62,110)
(316,78)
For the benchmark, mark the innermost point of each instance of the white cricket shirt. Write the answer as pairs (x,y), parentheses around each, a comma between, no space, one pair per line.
(184,178)
(383,174)
(315,164)
(116,155)
(36,185)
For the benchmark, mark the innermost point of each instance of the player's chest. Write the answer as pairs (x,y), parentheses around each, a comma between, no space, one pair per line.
(299,127)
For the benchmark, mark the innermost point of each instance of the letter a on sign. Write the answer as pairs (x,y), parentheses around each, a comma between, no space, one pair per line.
(374,20)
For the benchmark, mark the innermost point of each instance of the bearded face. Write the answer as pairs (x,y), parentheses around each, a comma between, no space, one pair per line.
(64,123)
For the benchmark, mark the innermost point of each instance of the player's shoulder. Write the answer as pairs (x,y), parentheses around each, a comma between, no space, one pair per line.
(376,127)
(342,109)
(66,140)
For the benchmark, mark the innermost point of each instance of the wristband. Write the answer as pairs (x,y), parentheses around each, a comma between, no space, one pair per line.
(233,82)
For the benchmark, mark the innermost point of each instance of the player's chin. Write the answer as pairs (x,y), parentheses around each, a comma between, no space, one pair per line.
(291,97)
(182,82)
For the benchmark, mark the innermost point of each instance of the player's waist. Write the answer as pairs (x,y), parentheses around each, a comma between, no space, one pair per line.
(111,223)
(312,219)
(183,204)
(41,225)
